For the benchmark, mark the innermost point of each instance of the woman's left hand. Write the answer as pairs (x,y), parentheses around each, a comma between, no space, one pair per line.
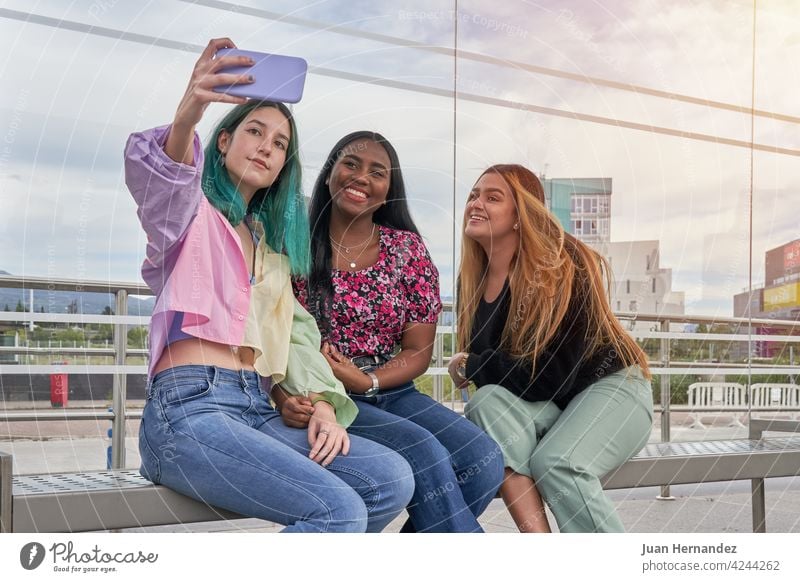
(326,437)
(346,371)
(452,368)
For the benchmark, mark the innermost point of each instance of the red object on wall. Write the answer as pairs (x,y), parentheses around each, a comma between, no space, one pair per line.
(791,255)
(59,388)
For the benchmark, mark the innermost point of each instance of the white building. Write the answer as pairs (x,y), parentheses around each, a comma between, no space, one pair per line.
(640,284)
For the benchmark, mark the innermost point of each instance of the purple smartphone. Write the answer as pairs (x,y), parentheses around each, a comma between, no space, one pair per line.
(276,77)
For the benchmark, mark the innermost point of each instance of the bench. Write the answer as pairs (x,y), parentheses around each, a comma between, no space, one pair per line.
(705,397)
(102,500)
(755,458)
(716,396)
(91,501)
(772,396)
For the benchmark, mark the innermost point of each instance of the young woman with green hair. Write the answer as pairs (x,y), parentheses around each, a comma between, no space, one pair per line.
(225,229)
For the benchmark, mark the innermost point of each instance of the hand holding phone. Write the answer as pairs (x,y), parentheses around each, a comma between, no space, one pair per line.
(199,94)
(275,77)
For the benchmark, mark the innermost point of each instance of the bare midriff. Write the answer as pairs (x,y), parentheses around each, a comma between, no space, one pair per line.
(195,351)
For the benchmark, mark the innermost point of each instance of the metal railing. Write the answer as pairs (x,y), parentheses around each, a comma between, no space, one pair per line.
(662,366)
(120,320)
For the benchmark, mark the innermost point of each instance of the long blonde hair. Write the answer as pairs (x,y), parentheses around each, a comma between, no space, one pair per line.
(548,268)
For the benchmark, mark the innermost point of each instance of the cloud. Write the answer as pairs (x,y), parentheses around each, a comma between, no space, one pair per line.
(69,106)
(70,224)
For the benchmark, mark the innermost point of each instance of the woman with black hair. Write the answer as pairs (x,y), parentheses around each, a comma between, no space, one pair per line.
(373,288)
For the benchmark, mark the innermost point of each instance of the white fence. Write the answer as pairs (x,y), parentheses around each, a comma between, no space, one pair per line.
(707,397)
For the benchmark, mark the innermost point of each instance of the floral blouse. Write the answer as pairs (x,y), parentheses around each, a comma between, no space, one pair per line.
(370,307)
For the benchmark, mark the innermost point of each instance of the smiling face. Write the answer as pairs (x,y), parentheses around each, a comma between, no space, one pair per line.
(256,150)
(359,180)
(491,212)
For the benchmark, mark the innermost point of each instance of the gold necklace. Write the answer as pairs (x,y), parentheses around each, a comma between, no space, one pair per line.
(363,243)
(352,263)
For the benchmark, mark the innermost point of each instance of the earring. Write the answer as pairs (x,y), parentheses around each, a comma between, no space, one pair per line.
(222,160)
(516,226)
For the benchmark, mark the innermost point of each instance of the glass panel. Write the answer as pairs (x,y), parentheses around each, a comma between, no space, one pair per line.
(774,299)
(68,107)
(646,119)
(651,113)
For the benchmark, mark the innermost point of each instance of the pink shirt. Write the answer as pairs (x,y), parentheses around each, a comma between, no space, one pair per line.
(195,265)
(194,262)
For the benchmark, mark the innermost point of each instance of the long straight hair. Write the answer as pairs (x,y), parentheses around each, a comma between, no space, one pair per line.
(280,207)
(394,214)
(548,268)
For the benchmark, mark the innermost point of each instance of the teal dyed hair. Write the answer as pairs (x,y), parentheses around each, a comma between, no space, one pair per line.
(280,207)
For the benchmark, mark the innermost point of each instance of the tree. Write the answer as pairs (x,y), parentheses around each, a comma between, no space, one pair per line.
(137,337)
(20,306)
(72,334)
(73,306)
(105,332)
(41,334)
(107,310)
(7,309)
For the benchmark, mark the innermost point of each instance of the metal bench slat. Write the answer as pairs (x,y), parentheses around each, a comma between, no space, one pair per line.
(706,461)
(90,501)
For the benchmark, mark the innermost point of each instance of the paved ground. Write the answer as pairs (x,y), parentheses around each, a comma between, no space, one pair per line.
(701,509)
(55,446)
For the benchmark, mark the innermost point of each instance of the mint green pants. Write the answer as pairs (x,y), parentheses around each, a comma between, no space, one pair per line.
(566,452)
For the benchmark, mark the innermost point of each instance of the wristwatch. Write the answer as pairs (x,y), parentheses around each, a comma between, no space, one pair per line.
(373,390)
(461,369)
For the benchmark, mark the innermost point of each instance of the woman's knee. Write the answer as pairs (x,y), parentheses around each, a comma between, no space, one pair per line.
(484,397)
(394,482)
(336,510)
(419,447)
(554,462)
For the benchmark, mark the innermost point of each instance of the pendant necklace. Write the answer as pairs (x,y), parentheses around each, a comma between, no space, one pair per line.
(340,246)
(363,245)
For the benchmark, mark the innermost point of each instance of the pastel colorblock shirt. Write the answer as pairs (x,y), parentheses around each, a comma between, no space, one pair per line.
(195,264)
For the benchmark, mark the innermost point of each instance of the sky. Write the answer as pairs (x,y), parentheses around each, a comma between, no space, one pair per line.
(80,76)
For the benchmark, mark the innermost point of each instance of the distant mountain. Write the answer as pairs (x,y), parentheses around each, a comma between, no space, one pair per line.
(91,303)
(59,301)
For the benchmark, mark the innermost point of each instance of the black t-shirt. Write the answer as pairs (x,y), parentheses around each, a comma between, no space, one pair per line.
(562,369)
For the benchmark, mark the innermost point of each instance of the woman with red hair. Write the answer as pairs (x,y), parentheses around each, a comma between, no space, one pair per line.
(562,387)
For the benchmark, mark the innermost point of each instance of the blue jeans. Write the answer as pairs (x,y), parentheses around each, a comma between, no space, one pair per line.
(210,433)
(457,467)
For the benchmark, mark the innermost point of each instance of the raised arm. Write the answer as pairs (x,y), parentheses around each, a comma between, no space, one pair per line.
(199,94)
(163,166)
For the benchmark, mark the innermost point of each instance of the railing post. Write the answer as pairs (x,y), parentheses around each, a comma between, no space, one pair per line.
(438,388)
(666,397)
(120,384)
(6,495)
